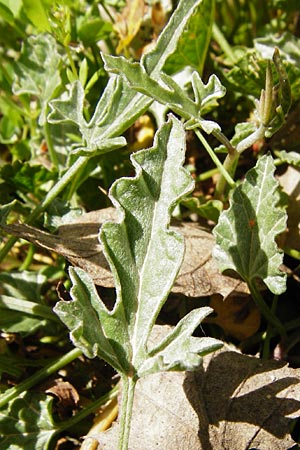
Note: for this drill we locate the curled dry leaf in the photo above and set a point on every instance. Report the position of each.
(67, 397)
(233, 402)
(78, 242)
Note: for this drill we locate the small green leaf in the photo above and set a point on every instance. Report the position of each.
(36, 12)
(24, 178)
(26, 423)
(37, 71)
(70, 109)
(21, 309)
(179, 350)
(94, 29)
(207, 95)
(209, 209)
(246, 232)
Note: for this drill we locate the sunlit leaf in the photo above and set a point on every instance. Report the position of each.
(165, 90)
(36, 11)
(292, 158)
(119, 105)
(145, 258)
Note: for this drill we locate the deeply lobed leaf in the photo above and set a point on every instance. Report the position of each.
(119, 105)
(145, 257)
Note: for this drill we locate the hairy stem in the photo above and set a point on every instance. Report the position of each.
(223, 170)
(128, 388)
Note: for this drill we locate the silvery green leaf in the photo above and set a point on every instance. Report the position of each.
(93, 329)
(179, 350)
(154, 61)
(206, 95)
(119, 105)
(145, 257)
(69, 109)
(246, 232)
(292, 158)
(37, 71)
(165, 90)
(287, 43)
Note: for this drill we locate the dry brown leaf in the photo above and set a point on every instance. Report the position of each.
(237, 315)
(290, 182)
(78, 242)
(67, 397)
(129, 22)
(234, 402)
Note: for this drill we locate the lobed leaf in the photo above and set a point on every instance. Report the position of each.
(246, 232)
(165, 90)
(179, 350)
(119, 105)
(292, 158)
(145, 258)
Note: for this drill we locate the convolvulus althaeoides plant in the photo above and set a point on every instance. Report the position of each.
(115, 112)
(145, 257)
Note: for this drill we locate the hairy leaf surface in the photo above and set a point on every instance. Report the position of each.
(166, 91)
(145, 258)
(119, 105)
(246, 232)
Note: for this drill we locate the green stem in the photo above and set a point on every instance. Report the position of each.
(223, 43)
(14, 392)
(207, 175)
(69, 54)
(269, 333)
(29, 258)
(229, 167)
(265, 310)
(128, 387)
(88, 410)
(214, 157)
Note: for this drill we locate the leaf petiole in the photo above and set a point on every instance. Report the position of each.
(265, 310)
